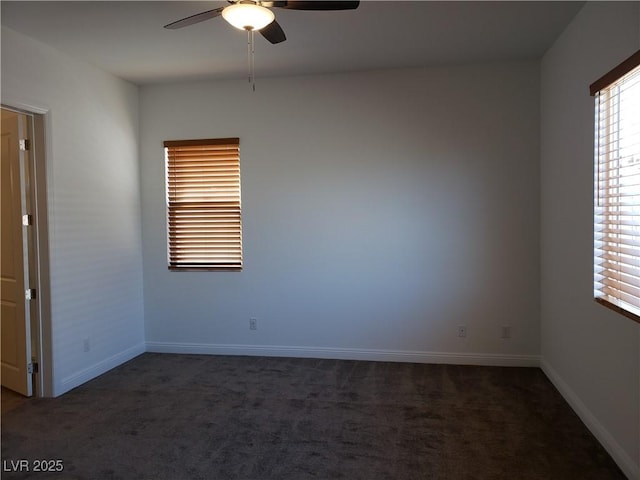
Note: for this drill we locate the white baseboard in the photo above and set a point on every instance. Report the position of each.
(348, 354)
(89, 373)
(626, 464)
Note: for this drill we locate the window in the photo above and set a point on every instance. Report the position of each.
(617, 189)
(204, 221)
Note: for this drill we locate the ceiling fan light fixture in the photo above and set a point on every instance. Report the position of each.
(248, 16)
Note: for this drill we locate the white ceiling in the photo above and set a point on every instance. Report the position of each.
(127, 39)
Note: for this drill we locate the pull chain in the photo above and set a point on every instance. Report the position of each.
(251, 58)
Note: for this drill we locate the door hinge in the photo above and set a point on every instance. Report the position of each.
(30, 294)
(26, 220)
(32, 368)
(24, 144)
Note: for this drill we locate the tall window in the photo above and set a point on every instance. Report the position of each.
(204, 223)
(617, 188)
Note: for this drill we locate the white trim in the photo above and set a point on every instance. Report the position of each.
(89, 373)
(624, 461)
(25, 107)
(487, 359)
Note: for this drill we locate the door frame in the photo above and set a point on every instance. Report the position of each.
(38, 121)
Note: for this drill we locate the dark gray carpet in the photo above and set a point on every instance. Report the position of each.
(11, 400)
(193, 417)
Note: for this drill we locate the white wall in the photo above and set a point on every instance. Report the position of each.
(591, 353)
(380, 211)
(94, 205)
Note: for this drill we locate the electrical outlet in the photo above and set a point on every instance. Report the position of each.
(462, 331)
(253, 324)
(506, 331)
(86, 343)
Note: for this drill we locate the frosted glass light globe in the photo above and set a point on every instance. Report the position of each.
(248, 16)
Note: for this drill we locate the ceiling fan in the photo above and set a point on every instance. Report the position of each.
(256, 15)
(252, 15)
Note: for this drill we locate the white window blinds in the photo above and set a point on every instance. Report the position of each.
(617, 191)
(204, 221)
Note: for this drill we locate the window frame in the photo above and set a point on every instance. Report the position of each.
(219, 203)
(595, 89)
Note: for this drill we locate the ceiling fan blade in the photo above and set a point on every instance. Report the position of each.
(273, 32)
(313, 5)
(197, 18)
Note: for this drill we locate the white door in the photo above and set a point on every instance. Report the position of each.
(15, 323)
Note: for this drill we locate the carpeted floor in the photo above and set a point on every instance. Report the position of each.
(188, 417)
(11, 400)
